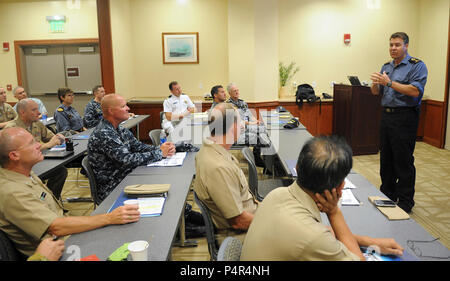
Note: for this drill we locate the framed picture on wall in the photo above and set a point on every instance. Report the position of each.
(180, 47)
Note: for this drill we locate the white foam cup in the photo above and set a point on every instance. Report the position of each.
(131, 202)
(139, 250)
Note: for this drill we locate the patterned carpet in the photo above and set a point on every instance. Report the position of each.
(432, 210)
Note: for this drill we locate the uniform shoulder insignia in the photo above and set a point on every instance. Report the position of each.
(60, 109)
(387, 63)
(414, 60)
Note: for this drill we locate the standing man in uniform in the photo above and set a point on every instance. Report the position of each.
(114, 152)
(93, 111)
(29, 120)
(176, 107)
(7, 113)
(220, 183)
(401, 82)
(67, 117)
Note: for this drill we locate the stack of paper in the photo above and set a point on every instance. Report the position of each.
(151, 206)
(348, 199)
(175, 160)
(61, 147)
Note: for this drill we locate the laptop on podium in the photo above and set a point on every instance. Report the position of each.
(354, 80)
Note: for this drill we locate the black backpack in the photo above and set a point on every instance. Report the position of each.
(305, 92)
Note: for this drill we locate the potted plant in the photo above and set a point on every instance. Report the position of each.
(286, 73)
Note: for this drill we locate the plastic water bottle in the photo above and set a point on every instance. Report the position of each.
(162, 137)
(44, 116)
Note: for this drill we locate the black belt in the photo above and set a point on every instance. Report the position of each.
(398, 109)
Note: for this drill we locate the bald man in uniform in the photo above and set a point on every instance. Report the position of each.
(220, 183)
(7, 113)
(114, 152)
(20, 94)
(29, 120)
(29, 213)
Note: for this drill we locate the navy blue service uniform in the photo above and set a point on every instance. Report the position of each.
(67, 118)
(114, 153)
(398, 130)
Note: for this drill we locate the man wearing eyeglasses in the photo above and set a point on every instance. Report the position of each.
(29, 120)
(29, 213)
(20, 94)
(7, 113)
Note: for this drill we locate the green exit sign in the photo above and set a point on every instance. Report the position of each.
(57, 26)
(56, 23)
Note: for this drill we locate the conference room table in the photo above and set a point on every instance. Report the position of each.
(159, 231)
(364, 219)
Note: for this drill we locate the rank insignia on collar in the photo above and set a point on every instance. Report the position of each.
(414, 60)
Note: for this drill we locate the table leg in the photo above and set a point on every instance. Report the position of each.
(182, 230)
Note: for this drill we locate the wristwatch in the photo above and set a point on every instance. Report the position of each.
(389, 84)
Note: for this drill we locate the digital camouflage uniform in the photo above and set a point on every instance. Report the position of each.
(113, 153)
(7, 113)
(250, 137)
(93, 114)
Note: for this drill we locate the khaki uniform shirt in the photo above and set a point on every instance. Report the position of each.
(7, 113)
(288, 227)
(38, 130)
(27, 209)
(221, 185)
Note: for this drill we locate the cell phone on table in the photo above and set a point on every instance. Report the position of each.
(384, 203)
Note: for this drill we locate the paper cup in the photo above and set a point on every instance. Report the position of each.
(138, 250)
(131, 202)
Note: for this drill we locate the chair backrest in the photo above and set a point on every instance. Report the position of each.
(161, 117)
(154, 136)
(92, 183)
(252, 172)
(230, 249)
(7, 250)
(209, 225)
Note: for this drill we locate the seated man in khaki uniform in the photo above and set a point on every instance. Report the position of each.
(7, 113)
(29, 120)
(220, 182)
(288, 225)
(29, 212)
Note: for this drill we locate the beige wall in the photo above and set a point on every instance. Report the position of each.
(311, 34)
(25, 20)
(253, 48)
(124, 70)
(241, 46)
(433, 44)
(147, 21)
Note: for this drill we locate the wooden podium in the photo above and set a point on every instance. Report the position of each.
(356, 117)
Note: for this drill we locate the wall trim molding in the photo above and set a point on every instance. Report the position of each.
(18, 44)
